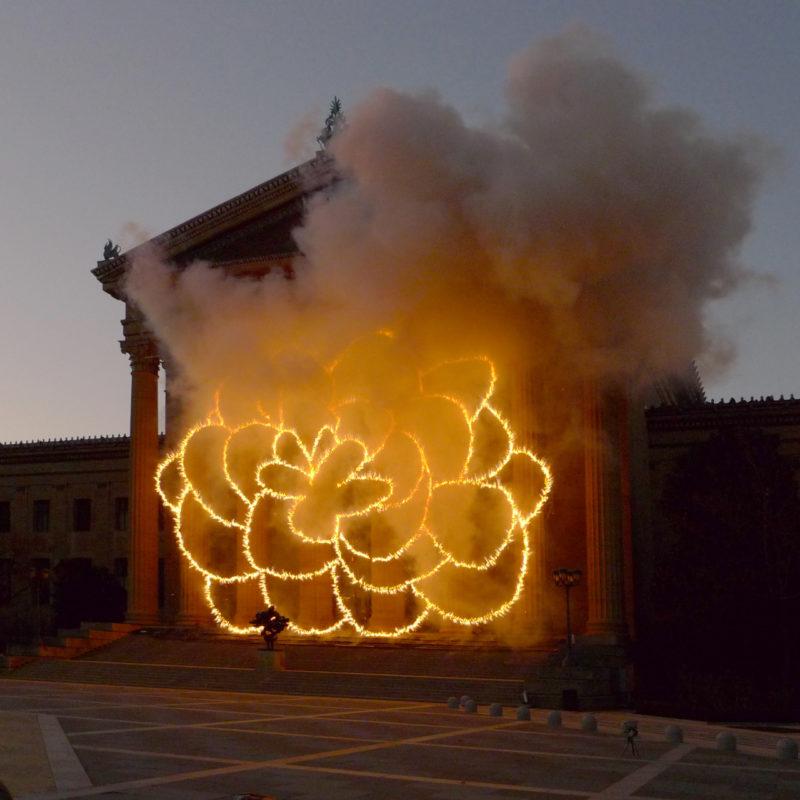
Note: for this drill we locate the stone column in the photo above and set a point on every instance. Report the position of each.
(184, 582)
(143, 569)
(605, 576)
(529, 618)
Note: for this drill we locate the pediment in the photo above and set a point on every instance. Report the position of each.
(248, 232)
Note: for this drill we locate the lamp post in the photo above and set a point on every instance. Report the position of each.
(567, 578)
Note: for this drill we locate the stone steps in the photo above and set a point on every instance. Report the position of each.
(422, 671)
(121, 674)
(71, 643)
(337, 684)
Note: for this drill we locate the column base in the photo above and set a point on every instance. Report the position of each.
(195, 621)
(605, 634)
(143, 618)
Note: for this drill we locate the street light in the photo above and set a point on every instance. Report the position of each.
(567, 578)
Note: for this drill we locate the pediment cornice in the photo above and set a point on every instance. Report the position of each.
(266, 199)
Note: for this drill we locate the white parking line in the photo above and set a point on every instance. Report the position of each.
(634, 781)
(68, 772)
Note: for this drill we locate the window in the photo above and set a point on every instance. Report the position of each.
(5, 516)
(82, 514)
(120, 513)
(6, 566)
(40, 576)
(41, 516)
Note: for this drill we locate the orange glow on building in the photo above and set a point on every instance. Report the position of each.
(396, 483)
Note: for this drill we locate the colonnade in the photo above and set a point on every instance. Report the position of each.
(605, 450)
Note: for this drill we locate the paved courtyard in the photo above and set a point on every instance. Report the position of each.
(68, 741)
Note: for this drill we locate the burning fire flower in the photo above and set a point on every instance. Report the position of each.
(371, 481)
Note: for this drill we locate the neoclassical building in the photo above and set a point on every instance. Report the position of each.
(600, 492)
(60, 501)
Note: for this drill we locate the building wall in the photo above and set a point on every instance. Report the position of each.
(66, 478)
(716, 607)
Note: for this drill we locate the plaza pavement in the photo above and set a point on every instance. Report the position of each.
(60, 741)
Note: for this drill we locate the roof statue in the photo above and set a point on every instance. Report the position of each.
(110, 250)
(334, 122)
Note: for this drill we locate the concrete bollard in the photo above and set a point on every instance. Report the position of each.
(786, 749)
(554, 719)
(452, 702)
(589, 722)
(674, 734)
(471, 707)
(463, 700)
(495, 710)
(726, 741)
(523, 713)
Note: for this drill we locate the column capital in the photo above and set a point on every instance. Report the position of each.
(138, 342)
(143, 354)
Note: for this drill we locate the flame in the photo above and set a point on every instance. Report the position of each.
(413, 474)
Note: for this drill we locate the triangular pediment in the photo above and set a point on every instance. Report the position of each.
(252, 231)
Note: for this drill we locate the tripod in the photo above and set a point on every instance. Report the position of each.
(631, 732)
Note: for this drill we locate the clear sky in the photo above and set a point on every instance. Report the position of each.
(120, 116)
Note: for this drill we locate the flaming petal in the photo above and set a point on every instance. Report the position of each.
(289, 450)
(491, 445)
(471, 522)
(247, 448)
(469, 382)
(386, 530)
(275, 548)
(471, 596)
(361, 494)
(283, 481)
(171, 483)
(212, 545)
(204, 467)
(232, 603)
(442, 429)
(529, 481)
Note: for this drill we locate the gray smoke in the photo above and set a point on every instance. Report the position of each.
(591, 223)
(587, 231)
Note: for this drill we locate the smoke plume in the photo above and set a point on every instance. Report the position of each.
(590, 225)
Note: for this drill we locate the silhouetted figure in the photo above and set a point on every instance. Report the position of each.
(271, 624)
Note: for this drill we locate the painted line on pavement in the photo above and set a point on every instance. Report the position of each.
(634, 781)
(157, 754)
(353, 773)
(68, 772)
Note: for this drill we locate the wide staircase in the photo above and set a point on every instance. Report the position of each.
(420, 670)
(199, 660)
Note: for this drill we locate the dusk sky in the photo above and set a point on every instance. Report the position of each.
(121, 120)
